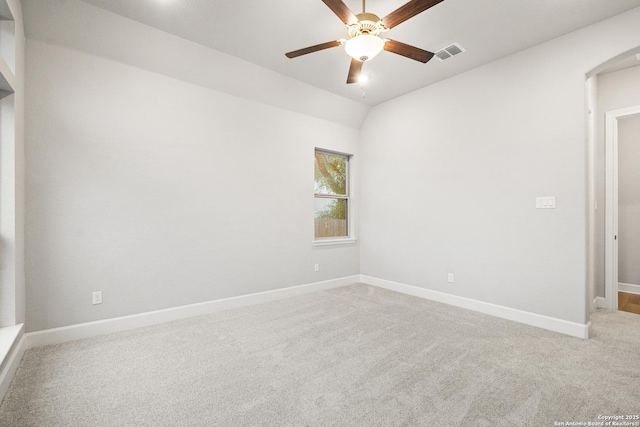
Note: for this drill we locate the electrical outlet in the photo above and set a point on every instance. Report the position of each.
(96, 297)
(316, 267)
(450, 277)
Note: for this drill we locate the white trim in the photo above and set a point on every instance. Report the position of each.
(10, 368)
(592, 204)
(8, 337)
(611, 210)
(574, 329)
(629, 288)
(331, 242)
(107, 326)
(11, 351)
(600, 302)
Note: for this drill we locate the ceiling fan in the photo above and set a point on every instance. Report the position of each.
(364, 35)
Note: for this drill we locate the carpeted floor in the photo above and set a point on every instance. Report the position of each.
(356, 355)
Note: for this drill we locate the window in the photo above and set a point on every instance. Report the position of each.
(10, 182)
(331, 194)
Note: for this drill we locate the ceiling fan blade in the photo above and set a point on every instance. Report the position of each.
(342, 11)
(312, 49)
(408, 51)
(354, 71)
(407, 11)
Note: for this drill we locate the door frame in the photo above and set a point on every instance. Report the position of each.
(611, 211)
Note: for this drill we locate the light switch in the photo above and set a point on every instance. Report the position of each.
(545, 202)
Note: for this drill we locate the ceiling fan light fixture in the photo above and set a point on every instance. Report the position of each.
(364, 47)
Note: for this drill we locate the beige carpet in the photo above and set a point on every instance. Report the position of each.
(356, 355)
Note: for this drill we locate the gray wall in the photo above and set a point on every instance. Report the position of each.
(160, 192)
(451, 173)
(617, 90)
(162, 186)
(629, 200)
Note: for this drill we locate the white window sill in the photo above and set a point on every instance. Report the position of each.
(8, 337)
(334, 242)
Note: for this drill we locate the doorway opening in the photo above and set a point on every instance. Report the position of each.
(612, 98)
(619, 294)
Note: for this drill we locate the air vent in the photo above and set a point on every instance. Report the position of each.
(449, 51)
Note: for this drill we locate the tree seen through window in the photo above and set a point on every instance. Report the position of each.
(331, 195)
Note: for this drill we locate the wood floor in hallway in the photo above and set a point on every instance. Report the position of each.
(629, 302)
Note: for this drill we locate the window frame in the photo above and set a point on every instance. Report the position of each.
(347, 197)
(9, 297)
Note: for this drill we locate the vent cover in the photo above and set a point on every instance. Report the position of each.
(449, 51)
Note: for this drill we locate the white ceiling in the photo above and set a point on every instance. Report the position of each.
(262, 31)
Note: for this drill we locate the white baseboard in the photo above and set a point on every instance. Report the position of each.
(550, 323)
(101, 327)
(629, 288)
(600, 302)
(11, 366)
(107, 326)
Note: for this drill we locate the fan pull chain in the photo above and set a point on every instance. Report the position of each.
(364, 95)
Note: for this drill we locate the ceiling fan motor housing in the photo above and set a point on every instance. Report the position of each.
(368, 23)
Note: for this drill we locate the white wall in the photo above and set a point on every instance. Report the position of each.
(87, 28)
(146, 176)
(451, 172)
(19, 109)
(160, 192)
(629, 200)
(616, 90)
